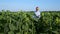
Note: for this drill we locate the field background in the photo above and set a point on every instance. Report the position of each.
(21, 22)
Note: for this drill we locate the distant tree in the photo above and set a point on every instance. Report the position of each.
(2, 10)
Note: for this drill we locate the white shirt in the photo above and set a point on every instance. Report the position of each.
(37, 13)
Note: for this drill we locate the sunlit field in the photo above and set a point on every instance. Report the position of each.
(21, 22)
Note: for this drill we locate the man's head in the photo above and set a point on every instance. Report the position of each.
(37, 8)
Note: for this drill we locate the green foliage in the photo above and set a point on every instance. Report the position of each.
(23, 23)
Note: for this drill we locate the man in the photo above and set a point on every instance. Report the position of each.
(37, 12)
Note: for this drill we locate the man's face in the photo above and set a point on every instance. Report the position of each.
(37, 8)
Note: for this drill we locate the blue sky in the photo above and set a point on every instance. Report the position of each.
(15, 5)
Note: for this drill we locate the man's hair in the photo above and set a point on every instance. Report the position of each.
(37, 8)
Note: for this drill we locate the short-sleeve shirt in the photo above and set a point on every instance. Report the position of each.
(37, 13)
